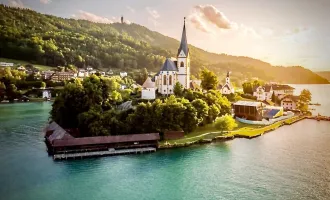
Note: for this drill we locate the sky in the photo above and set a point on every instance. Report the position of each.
(281, 32)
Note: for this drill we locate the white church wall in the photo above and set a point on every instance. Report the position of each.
(148, 93)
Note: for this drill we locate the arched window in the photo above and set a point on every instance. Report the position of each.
(170, 80)
(164, 80)
(182, 64)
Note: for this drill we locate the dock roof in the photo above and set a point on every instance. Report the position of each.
(106, 140)
(248, 103)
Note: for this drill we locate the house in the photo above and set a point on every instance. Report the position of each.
(123, 74)
(62, 76)
(263, 93)
(148, 90)
(248, 110)
(175, 70)
(47, 74)
(282, 90)
(82, 73)
(290, 102)
(46, 94)
(227, 88)
(21, 68)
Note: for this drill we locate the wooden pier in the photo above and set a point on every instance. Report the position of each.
(111, 152)
(320, 118)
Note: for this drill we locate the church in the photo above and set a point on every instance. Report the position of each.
(175, 69)
(227, 88)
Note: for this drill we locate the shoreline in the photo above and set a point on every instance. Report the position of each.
(230, 135)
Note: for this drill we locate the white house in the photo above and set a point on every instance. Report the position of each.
(175, 70)
(82, 73)
(263, 92)
(46, 94)
(21, 68)
(227, 88)
(123, 74)
(282, 90)
(290, 102)
(148, 89)
(5, 64)
(47, 74)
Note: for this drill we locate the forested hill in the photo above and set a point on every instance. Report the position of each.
(324, 74)
(49, 40)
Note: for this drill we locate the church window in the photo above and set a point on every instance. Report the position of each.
(182, 64)
(164, 82)
(170, 80)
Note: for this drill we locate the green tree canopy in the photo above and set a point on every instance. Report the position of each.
(209, 79)
(225, 123)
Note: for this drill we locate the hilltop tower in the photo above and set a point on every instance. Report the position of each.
(183, 58)
(122, 19)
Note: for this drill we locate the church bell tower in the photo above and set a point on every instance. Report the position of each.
(183, 59)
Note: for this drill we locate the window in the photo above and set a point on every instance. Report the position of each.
(170, 80)
(182, 64)
(164, 81)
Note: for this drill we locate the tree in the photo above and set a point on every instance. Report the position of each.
(202, 110)
(2, 91)
(273, 97)
(304, 99)
(305, 96)
(209, 79)
(225, 123)
(178, 89)
(43, 85)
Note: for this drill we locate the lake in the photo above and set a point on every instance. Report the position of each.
(292, 162)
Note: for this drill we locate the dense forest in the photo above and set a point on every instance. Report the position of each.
(49, 40)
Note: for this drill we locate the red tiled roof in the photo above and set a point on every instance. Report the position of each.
(106, 140)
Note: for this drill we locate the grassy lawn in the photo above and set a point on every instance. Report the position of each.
(21, 62)
(244, 130)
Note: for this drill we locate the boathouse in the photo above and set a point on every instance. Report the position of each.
(248, 110)
(59, 141)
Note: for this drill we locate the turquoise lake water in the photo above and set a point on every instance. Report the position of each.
(292, 162)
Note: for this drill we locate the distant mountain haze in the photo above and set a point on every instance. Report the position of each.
(49, 40)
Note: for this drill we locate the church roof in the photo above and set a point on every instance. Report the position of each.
(148, 83)
(169, 65)
(227, 86)
(184, 44)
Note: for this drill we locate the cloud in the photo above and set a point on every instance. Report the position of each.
(153, 13)
(45, 1)
(16, 3)
(198, 23)
(130, 9)
(214, 16)
(92, 17)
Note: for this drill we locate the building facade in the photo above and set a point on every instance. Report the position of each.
(148, 90)
(263, 93)
(227, 87)
(175, 70)
(289, 102)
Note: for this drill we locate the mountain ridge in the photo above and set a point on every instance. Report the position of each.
(49, 40)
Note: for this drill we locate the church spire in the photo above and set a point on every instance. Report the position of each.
(184, 44)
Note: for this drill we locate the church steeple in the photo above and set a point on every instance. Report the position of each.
(184, 44)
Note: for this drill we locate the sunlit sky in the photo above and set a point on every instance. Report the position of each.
(281, 32)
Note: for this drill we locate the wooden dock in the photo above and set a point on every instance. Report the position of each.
(320, 118)
(103, 153)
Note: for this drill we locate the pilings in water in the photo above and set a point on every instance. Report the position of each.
(103, 153)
